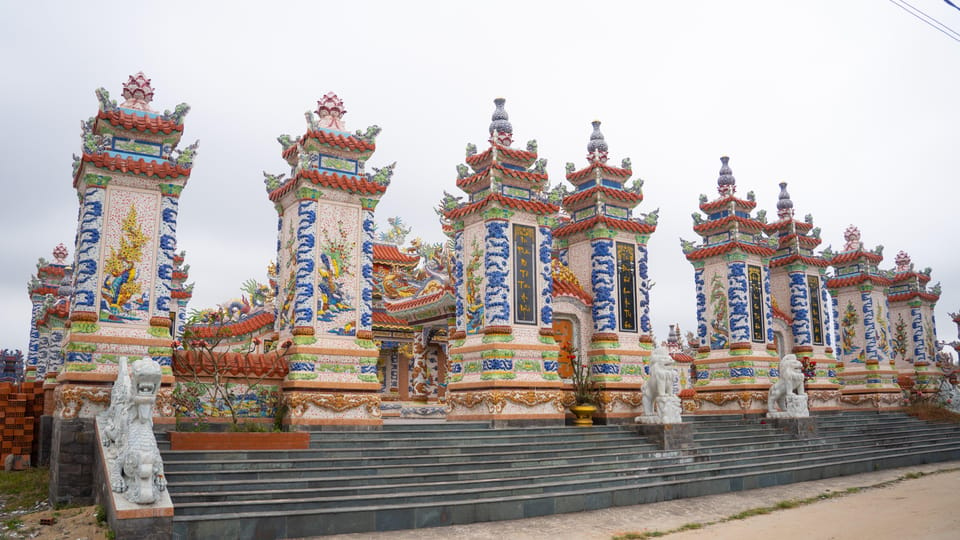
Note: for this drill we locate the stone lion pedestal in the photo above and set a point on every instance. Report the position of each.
(661, 420)
(787, 395)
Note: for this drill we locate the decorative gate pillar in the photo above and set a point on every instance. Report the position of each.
(913, 341)
(737, 359)
(605, 244)
(128, 177)
(503, 356)
(866, 368)
(325, 271)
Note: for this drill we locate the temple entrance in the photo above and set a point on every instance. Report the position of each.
(563, 329)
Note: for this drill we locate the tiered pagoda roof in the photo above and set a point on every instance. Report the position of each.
(181, 272)
(328, 156)
(854, 265)
(390, 255)
(729, 225)
(49, 275)
(907, 284)
(600, 198)
(565, 283)
(501, 175)
(795, 240)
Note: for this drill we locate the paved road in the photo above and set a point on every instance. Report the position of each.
(924, 508)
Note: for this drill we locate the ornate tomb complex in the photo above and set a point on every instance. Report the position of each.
(352, 327)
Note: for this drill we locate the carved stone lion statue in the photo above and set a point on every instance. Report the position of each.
(133, 459)
(787, 394)
(660, 403)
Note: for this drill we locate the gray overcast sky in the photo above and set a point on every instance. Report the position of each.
(854, 103)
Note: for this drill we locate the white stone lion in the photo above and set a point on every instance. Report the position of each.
(787, 394)
(660, 403)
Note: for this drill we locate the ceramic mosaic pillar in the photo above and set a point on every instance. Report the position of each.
(503, 356)
(737, 359)
(798, 283)
(43, 290)
(180, 294)
(868, 375)
(913, 331)
(325, 269)
(605, 245)
(128, 177)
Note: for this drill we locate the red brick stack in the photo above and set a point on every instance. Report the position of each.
(21, 406)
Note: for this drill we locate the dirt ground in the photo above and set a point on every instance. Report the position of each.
(70, 524)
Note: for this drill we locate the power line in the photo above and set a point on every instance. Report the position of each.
(928, 20)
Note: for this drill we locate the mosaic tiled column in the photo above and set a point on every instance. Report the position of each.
(84, 305)
(166, 248)
(602, 276)
(643, 290)
(701, 303)
(799, 308)
(545, 249)
(496, 265)
(365, 324)
(737, 294)
(306, 263)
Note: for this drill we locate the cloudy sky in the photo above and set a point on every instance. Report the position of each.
(855, 104)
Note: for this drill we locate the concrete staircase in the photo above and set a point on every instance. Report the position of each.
(425, 475)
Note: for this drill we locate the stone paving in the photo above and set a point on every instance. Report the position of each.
(663, 516)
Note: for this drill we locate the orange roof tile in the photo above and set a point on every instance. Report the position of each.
(163, 169)
(230, 329)
(533, 178)
(346, 142)
(913, 294)
(715, 224)
(812, 261)
(723, 202)
(513, 153)
(836, 283)
(136, 122)
(719, 249)
(801, 226)
(392, 254)
(537, 207)
(778, 313)
(384, 320)
(619, 194)
(586, 172)
(613, 223)
(411, 303)
(329, 180)
(904, 276)
(850, 256)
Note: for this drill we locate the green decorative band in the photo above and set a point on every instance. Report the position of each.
(601, 232)
(302, 376)
(527, 366)
(456, 358)
(743, 380)
(107, 359)
(736, 256)
(84, 327)
(304, 340)
(550, 355)
(561, 243)
(605, 344)
(81, 366)
(547, 340)
(642, 238)
(458, 343)
(866, 287)
(497, 213)
(605, 359)
(741, 352)
(472, 366)
(632, 370)
(306, 193)
(96, 180)
(646, 346)
(698, 265)
(550, 376)
(81, 347)
(547, 221)
(797, 267)
(368, 204)
(457, 225)
(365, 343)
(498, 376)
(497, 353)
(170, 190)
(497, 338)
(300, 357)
(159, 331)
(915, 303)
(159, 351)
(279, 208)
(335, 368)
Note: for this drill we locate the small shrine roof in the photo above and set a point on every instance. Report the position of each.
(905, 276)
(420, 301)
(181, 294)
(724, 202)
(147, 123)
(512, 153)
(682, 358)
(797, 258)
(613, 223)
(526, 176)
(589, 172)
(385, 321)
(536, 207)
(807, 241)
(720, 223)
(60, 310)
(776, 226)
(133, 166)
(344, 141)
(719, 249)
(268, 364)
(391, 254)
(778, 313)
(329, 180)
(856, 279)
(618, 194)
(850, 256)
(247, 325)
(565, 283)
(44, 290)
(910, 295)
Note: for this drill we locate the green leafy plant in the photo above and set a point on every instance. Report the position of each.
(583, 389)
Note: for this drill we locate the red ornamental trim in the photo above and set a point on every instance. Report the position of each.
(329, 180)
(836, 283)
(586, 173)
(708, 226)
(849, 256)
(800, 226)
(913, 294)
(812, 261)
(704, 253)
(618, 194)
(513, 153)
(346, 142)
(133, 166)
(246, 326)
(535, 207)
(904, 276)
(724, 202)
(385, 253)
(382, 319)
(565, 288)
(269, 364)
(613, 223)
(782, 316)
(533, 178)
(419, 302)
(124, 120)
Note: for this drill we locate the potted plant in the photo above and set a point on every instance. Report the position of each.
(215, 383)
(584, 394)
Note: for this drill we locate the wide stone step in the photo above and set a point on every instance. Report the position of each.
(406, 515)
(486, 440)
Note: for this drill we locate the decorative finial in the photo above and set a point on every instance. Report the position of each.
(726, 183)
(597, 147)
(903, 262)
(330, 112)
(137, 92)
(60, 253)
(501, 130)
(784, 205)
(852, 236)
